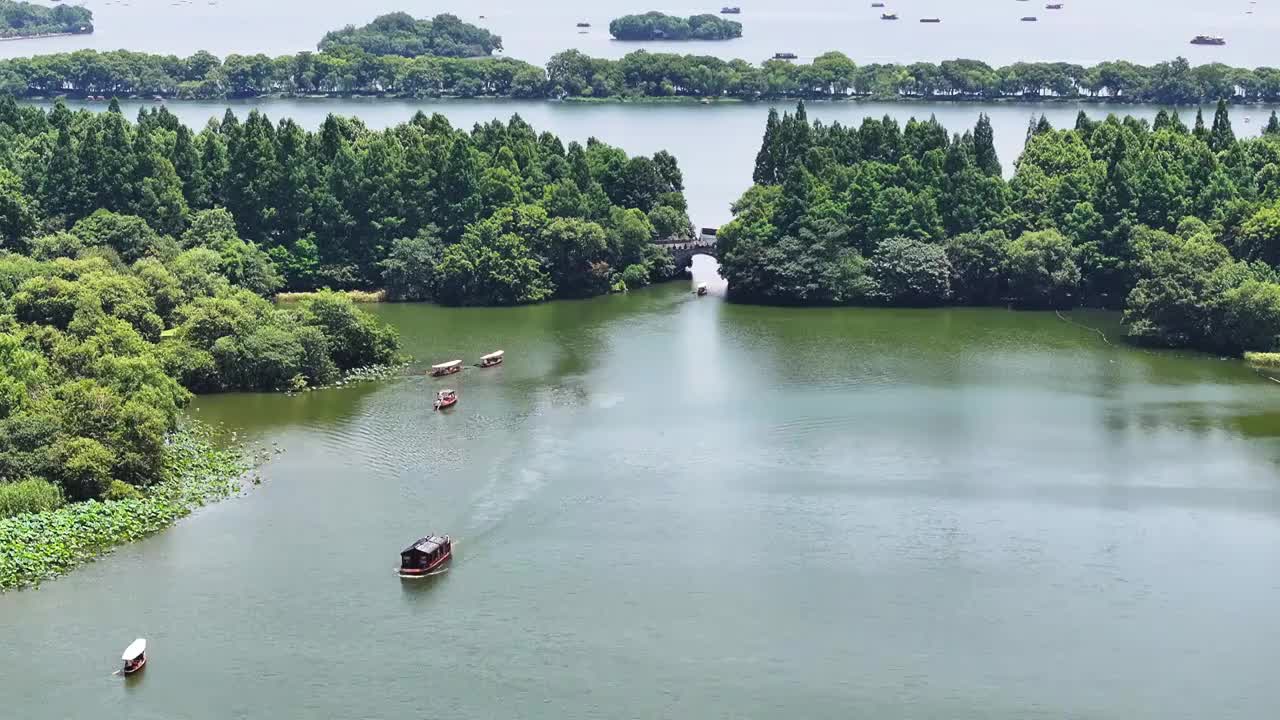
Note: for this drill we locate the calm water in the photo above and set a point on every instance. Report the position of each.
(715, 144)
(672, 507)
(1086, 31)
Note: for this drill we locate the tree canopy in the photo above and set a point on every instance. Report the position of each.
(654, 25)
(1178, 227)
(398, 33)
(24, 19)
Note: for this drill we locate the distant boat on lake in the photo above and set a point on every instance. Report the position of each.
(584, 24)
(727, 10)
(1053, 6)
(889, 16)
(877, 4)
(930, 20)
(785, 56)
(1208, 40)
(1029, 18)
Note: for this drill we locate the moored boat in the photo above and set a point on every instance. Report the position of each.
(425, 556)
(493, 358)
(134, 656)
(446, 399)
(446, 368)
(1208, 40)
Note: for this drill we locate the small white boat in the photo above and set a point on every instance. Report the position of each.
(493, 358)
(446, 368)
(702, 289)
(134, 656)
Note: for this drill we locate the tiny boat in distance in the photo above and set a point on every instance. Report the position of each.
(584, 24)
(446, 399)
(702, 289)
(134, 656)
(446, 368)
(785, 56)
(1208, 40)
(730, 10)
(1029, 18)
(1053, 6)
(493, 358)
(930, 20)
(425, 556)
(877, 4)
(889, 16)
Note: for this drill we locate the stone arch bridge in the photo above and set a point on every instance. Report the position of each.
(683, 250)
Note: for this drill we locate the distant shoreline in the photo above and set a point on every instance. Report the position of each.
(43, 35)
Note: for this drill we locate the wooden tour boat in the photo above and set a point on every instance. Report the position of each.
(493, 358)
(134, 656)
(446, 398)
(446, 368)
(425, 556)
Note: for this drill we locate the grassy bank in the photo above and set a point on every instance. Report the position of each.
(359, 296)
(43, 545)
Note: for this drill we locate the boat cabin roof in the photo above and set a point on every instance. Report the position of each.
(493, 355)
(426, 545)
(135, 649)
(446, 365)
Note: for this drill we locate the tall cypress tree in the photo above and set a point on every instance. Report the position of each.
(1221, 137)
(1200, 131)
(766, 172)
(984, 147)
(1273, 125)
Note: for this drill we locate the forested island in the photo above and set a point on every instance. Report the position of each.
(638, 75)
(24, 19)
(654, 25)
(400, 34)
(1178, 226)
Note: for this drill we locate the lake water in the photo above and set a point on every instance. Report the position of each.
(672, 507)
(715, 144)
(1085, 31)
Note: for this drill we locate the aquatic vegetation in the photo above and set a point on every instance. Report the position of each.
(39, 546)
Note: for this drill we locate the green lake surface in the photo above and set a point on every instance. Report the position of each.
(670, 506)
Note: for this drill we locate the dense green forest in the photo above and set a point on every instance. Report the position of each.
(24, 19)
(1178, 226)
(498, 215)
(654, 25)
(640, 74)
(400, 34)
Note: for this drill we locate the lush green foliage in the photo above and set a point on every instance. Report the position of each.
(29, 496)
(36, 546)
(1179, 227)
(24, 19)
(654, 25)
(351, 70)
(502, 214)
(399, 33)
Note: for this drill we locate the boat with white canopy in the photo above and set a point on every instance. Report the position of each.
(493, 358)
(134, 656)
(446, 368)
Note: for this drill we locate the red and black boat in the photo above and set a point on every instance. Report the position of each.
(446, 399)
(425, 556)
